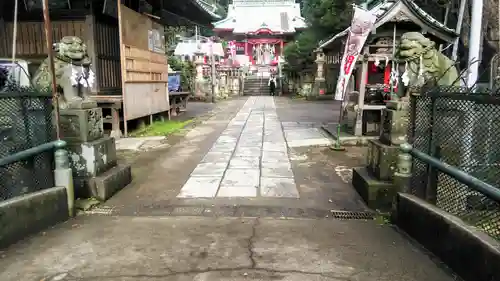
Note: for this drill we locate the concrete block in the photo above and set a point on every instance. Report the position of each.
(449, 238)
(383, 159)
(378, 195)
(81, 125)
(92, 158)
(28, 214)
(115, 179)
(394, 126)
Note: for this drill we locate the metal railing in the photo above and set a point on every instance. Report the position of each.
(452, 190)
(455, 136)
(28, 171)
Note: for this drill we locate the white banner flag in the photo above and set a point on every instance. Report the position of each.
(361, 26)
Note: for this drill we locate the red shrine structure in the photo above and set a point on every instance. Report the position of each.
(259, 29)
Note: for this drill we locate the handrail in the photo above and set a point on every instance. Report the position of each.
(471, 181)
(30, 152)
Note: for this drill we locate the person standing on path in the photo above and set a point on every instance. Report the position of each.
(272, 84)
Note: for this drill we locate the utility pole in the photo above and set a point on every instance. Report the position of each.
(475, 42)
(48, 41)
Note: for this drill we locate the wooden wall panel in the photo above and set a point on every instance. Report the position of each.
(31, 37)
(143, 64)
(107, 48)
(144, 99)
(135, 28)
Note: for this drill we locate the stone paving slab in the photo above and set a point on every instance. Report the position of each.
(241, 177)
(255, 147)
(217, 157)
(278, 187)
(209, 170)
(237, 191)
(200, 187)
(243, 162)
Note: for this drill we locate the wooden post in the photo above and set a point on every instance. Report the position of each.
(90, 31)
(122, 67)
(358, 127)
(115, 121)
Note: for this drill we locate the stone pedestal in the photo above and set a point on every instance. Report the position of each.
(92, 155)
(318, 88)
(375, 182)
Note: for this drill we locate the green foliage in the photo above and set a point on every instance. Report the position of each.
(327, 17)
(299, 55)
(187, 71)
(324, 18)
(162, 128)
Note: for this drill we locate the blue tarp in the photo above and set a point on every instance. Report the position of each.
(174, 82)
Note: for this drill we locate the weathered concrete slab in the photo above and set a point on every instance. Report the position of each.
(218, 249)
(241, 177)
(306, 137)
(282, 169)
(223, 147)
(199, 187)
(217, 157)
(209, 170)
(274, 146)
(243, 162)
(278, 187)
(247, 151)
(274, 156)
(237, 191)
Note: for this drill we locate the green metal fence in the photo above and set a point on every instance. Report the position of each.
(460, 130)
(25, 123)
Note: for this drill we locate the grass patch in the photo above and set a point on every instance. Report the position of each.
(160, 128)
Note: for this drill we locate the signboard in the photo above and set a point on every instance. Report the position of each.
(240, 48)
(361, 26)
(156, 41)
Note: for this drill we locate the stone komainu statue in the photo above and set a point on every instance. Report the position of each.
(424, 63)
(74, 77)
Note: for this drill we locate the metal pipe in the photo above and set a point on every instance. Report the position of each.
(48, 41)
(475, 42)
(472, 182)
(14, 34)
(19, 156)
(458, 29)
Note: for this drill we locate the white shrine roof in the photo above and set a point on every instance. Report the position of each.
(191, 47)
(403, 10)
(249, 16)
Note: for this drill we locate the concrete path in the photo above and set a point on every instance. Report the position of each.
(249, 158)
(217, 249)
(230, 200)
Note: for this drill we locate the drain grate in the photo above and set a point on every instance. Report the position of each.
(106, 211)
(233, 211)
(347, 215)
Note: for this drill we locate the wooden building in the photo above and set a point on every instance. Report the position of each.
(373, 68)
(125, 42)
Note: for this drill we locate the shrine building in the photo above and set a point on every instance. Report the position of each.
(260, 29)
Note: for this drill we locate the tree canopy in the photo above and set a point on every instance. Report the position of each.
(324, 18)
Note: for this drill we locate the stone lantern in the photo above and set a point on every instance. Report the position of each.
(319, 80)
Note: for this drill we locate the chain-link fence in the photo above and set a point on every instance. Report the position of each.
(25, 122)
(461, 129)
